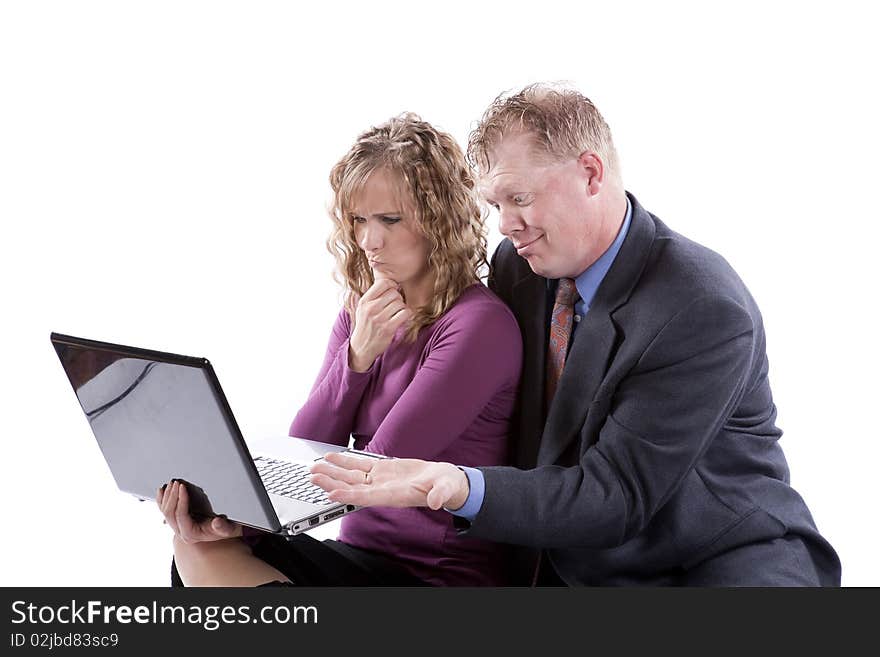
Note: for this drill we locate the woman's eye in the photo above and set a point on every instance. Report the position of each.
(358, 220)
(390, 220)
(519, 200)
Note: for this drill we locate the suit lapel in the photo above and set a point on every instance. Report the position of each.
(585, 367)
(595, 340)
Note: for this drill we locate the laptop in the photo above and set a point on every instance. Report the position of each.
(159, 417)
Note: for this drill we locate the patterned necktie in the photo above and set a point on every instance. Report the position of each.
(560, 332)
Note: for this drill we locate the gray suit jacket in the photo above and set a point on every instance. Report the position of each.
(658, 461)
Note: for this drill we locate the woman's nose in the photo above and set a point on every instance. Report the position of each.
(370, 238)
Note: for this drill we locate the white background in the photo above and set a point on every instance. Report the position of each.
(163, 183)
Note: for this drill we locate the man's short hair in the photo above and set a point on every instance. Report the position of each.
(562, 122)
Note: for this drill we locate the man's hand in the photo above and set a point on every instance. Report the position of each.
(391, 482)
(380, 312)
(173, 502)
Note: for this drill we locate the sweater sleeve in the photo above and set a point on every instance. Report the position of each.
(329, 412)
(472, 357)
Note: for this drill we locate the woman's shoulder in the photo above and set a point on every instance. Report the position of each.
(342, 321)
(479, 307)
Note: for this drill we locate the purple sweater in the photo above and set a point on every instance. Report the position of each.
(446, 397)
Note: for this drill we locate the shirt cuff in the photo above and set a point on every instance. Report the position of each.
(474, 501)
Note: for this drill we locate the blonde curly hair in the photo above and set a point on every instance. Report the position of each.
(434, 177)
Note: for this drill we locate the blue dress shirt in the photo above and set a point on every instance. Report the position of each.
(586, 283)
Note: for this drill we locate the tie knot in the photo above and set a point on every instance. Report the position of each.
(566, 292)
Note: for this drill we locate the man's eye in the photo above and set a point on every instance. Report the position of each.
(493, 205)
(519, 199)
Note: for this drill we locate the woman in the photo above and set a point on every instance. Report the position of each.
(423, 361)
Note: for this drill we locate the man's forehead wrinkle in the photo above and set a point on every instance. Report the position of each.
(495, 183)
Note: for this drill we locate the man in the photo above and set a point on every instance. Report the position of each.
(645, 447)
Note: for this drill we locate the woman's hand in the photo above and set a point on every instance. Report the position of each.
(173, 502)
(380, 312)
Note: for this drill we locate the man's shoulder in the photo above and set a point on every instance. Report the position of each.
(681, 267)
(504, 250)
(679, 271)
(507, 268)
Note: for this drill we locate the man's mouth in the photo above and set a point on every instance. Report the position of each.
(523, 249)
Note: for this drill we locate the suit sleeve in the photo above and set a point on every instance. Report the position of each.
(469, 361)
(662, 417)
(329, 412)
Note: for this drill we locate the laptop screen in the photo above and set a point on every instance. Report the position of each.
(157, 420)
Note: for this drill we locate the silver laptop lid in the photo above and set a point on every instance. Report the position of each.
(159, 416)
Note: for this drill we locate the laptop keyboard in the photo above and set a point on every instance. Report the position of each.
(289, 480)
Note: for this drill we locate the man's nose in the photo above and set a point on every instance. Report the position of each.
(509, 221)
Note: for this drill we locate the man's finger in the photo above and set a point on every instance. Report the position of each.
(344, 497)
(350, 462)
(370, 496)
(440, 493)
(357, 495)
(343, 475)
(328, 483)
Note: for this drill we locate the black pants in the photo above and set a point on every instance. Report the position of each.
(309, 562)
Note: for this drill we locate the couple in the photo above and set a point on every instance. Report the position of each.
(607, 414)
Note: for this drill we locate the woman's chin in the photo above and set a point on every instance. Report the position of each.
(381, 272)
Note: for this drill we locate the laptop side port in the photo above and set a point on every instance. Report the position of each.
(334, 514)
(313, 521)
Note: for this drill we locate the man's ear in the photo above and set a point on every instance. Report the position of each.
(594, 171)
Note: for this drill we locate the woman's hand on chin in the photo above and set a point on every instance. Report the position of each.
(380, 312)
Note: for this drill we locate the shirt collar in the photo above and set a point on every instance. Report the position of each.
(588, 281)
